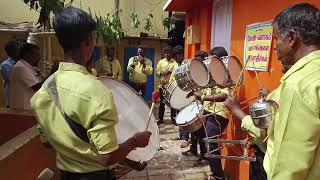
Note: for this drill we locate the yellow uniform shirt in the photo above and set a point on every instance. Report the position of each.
(139, 74)
(255, 132)
(165, 66)
(172, 77)
(88, 102)
(295, 133)
(215, 107)
(105, 67)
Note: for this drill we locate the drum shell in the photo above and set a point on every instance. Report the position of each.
(263, 113)
(168, 92)
(184, 77)
(192, 126)
(193, 123)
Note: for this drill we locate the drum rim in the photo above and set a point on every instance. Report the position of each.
(192, 103)
(144, 102)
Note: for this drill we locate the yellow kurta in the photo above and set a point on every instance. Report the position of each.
(105, 67)
(139, 74)
(296, 130)
(88, 102)
(165, 66)
(215, 107)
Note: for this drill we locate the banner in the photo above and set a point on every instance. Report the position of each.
(257, 46)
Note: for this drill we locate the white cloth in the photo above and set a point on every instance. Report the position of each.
(23, 77)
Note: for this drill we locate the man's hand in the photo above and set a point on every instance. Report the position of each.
(190, 94)
(143, 62)
(164, 73)
(263, 92)
(197, 95)
(232, 103)
(142, 138)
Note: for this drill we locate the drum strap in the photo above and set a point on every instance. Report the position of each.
(51, 88)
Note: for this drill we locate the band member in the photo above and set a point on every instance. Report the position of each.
(139, 67)
(212, 100)
(164, 70)
(24, 81)
(293, 137)
(178, 55)
(85, 102)
(12, 49)
(109, 65)
(196, 137)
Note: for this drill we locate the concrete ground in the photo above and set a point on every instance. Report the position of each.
(169, 163)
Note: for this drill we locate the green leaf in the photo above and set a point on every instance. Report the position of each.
(135, 23)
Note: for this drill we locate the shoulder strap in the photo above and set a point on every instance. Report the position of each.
(51, 88)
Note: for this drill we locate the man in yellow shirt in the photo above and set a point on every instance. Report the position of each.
(293, 148)
(139, 67)
(108, 65)
(164, 70)
(81, 104)
(215, 124)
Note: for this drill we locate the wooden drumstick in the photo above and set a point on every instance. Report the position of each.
(155, 96)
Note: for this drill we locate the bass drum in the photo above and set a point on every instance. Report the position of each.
(133, 114)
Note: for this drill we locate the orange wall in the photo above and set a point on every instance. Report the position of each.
(244, 12)
(199, 14)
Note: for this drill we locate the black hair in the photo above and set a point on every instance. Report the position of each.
(27, 49)
(72, 27)
(302, 17)
(12, 48)
(141, 47)
(167, 49)
(219, 51)
(109, 47)
(177, 49)
(201, 54)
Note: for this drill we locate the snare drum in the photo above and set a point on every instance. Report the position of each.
(175, 97)
(218, 71)
(189, 119)
(191, 75)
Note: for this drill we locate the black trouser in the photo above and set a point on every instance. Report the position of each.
(215, 125)
(97, 175)
(139, 87)
(196, 137)
(173, 112)
(257, 171)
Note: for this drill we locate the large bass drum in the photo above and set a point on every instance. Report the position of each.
(133, 116)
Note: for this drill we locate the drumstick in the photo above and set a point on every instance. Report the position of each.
(155, 96)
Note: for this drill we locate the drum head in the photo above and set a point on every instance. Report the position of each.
(178, 98)
(234, 69)
(133, 116)
(218, 71)
(199, 73)
(188, 113)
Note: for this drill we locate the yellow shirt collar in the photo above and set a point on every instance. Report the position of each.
(302, 62)
(66, 66)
